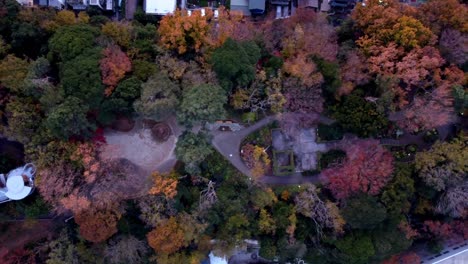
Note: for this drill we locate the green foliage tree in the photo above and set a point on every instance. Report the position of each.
(81, 78)
(364, 212)
(445, 164)
(13, 71)
(24, 119)
(192, 149)
(356, 248)
(9, 10)
(202, 103)
(69, 42)
(359, 116)
(398, 194)
(331, 74)
(28, 39)
(234, 63)
(158, 98)
(388, 242)
(62, 250)
(68, 119)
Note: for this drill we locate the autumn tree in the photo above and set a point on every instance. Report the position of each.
(452, 46)
(234, 63)
(192, 149)
(367, 169)
(354, 71)
(23, 117)
(230, 24)
(13, 71)
(442, 15)
(256, 159)
(428, 111)
(167, 237)
(155, 209)
(444, 165)
(159, 97)
(114, 65)
(62, 250)
(266, 223)
(454, 202)
(97, 225)
(184, 33)
(165, 184)
(120, 32)
(321, 212)
(125, 249)
(302, 98)
(197, 108)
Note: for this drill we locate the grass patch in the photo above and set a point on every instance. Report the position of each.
(283, 162)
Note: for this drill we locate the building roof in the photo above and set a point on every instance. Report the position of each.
(160, 7)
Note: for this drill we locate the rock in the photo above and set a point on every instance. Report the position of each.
(148, 123)
(161, 132)
(123, 124)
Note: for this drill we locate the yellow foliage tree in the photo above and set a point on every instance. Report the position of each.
(120, 32)
(184, 33)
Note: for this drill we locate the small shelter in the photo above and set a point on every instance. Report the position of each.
(18, 183)
(159, 7)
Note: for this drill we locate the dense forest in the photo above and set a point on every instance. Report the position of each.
(390, 72)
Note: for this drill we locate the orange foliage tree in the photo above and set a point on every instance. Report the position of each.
(439, 15)
(165, 184)
(256, 159)
(367, 169)
(87, 154)
(97, 225)
(167, 237)
(230, 24)
(184, 33)
(114, 65)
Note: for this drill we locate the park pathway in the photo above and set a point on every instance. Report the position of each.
(228, 144)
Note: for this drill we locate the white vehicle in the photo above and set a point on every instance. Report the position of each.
(160, 7)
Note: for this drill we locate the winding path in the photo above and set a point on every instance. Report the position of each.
(228, 144)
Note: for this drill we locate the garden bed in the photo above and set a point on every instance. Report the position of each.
(283, 162)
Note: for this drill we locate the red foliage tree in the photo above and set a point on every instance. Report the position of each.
(405, 258)
(367, 169)
(114, 66)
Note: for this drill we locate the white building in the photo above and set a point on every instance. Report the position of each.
(17, 184)
(159, 7)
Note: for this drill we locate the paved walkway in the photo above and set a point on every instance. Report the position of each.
(229, 143)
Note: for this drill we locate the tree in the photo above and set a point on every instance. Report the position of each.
(367, 169)
(399, 193)
(354, 71)
(364, 212)
(310, 205)
(234, 63)
(97, 225)
(159, 98)
(56, 182)
(23, 117)
(439, 16)
(299, 97)
(114, 65)
(197, 107)
(13, 71)
(69, 119)
(155, 209)
(184, 33)
(120, 32)
(125, 249)
(452, 47)
(81, 78)
(428, 111)
(266, 223)
(359, 116)
(192, 149)
(62, 250)
(357, 248)
(444, 165)
(410, 33)
(454, 202)
(167, 237)
(69, 42)
(256, 159)
(163, 184)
